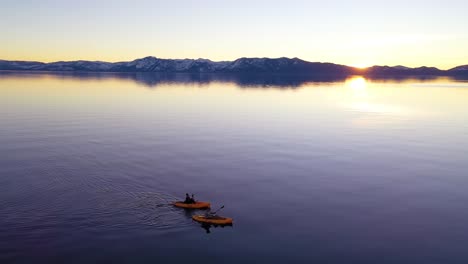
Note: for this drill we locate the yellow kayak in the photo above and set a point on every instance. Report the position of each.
(214, 220)
(196, 205)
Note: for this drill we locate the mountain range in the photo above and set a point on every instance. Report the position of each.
(242, 65)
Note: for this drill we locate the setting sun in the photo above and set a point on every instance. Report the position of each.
(361, 65)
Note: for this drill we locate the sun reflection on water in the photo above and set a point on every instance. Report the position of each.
(357, 86)
(357, 83)
(365, 98)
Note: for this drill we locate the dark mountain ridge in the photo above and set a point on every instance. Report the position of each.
(242, 65)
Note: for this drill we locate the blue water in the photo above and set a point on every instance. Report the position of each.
(318, 170)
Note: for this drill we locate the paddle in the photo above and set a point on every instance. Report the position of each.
(212, 214)
(218, 209)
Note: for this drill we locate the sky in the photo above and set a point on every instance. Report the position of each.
(356, 33)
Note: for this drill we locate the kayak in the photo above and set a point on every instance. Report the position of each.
(216, 220)
(196, 205)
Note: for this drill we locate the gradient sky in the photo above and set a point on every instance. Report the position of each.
(357, 33)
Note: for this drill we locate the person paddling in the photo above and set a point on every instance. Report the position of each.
(213, 215)
(188, 200)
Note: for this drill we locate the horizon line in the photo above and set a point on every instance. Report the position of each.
(216, 61)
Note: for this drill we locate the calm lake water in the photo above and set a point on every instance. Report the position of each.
(316, 170)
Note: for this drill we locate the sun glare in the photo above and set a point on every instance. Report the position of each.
(357, 83)
(360, 65)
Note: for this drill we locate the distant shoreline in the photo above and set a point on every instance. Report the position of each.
(284, 66)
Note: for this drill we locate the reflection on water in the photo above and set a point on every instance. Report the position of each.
(324, 171)
(357, 84)
(154, 79)
(208, 227)
(242, 80)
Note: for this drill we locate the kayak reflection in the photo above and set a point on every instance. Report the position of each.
(207, 227)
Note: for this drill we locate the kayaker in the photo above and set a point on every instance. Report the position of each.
(192, 199)
(188, 200)
(210, 214)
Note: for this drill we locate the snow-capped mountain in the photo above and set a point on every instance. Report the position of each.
(242, 65)
(152, 64)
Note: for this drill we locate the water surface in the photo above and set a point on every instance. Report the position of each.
(319, 170)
